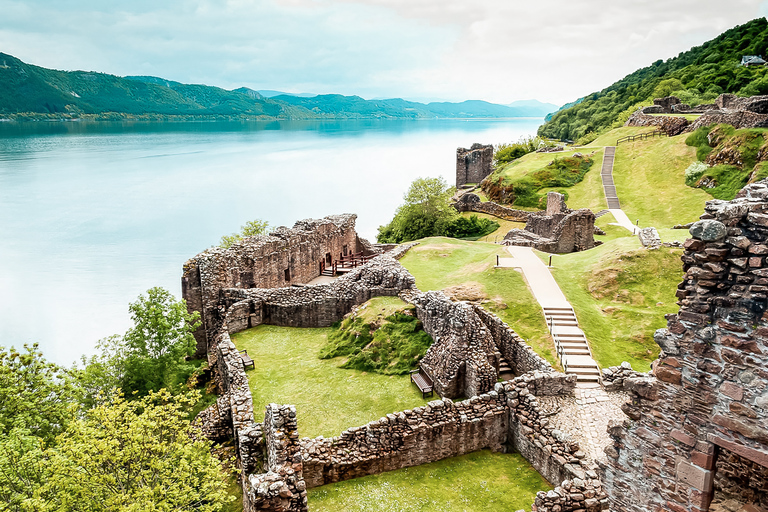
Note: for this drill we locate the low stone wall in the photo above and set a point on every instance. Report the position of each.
(317, 305)
(520, 356)
(472, 203)
(436, 431)
(670, 125)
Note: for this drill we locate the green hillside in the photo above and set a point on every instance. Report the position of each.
(33, 91)
(696, 76)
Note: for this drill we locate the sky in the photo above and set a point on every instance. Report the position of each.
(495, 50)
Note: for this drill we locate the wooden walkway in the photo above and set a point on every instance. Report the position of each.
(606, 173)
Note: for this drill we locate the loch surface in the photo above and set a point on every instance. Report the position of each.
(93, 214)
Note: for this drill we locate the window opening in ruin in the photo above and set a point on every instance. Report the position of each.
(740, 484)
(345, 250)
(287, 274)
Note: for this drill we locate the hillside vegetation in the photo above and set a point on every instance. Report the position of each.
(35, 92)
(696, 76)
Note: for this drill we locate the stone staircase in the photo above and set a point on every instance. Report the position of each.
(505, 371)
(606, 173)
(571, 344)
(601, 213)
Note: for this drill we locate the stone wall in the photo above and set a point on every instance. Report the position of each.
(472, 203)
(282, 487)
(707, 397)
(474, 164)
(670, 125)
(282, 258)
(558, 229)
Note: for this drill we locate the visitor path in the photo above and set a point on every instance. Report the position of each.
(609, 187)
(570, 341)
(587, 414)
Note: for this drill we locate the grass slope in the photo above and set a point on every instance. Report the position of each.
(620, 293)
(650, 182)
(328, 399)
(475, 482)
(438, 263)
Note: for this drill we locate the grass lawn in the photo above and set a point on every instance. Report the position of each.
(588, 193)
(328, 399)
(504, 226)
(438, 263)
(650, 182)
(479, 481)
(620, 293)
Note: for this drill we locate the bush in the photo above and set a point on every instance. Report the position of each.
(694, 172)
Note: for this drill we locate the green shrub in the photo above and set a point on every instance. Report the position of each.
(694, 172)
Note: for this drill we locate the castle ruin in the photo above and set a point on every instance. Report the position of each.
(474, 164)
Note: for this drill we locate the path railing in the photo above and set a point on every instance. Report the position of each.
(642, 136)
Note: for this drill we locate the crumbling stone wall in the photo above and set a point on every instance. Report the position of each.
(671, 125)
(282, 486)
(472, 203)
(558, 229)
(282, 258)
(474, 164)
(707, 397)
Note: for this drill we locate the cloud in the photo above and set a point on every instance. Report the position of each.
(498, 50)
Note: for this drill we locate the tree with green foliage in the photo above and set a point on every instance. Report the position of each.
(130, 455)
(251, 228)
(427, 211)
(36, 404)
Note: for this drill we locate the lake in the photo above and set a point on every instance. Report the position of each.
(93, 214)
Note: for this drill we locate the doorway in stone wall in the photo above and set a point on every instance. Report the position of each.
(741, 485)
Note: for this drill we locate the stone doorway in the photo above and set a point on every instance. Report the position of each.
(740, 485)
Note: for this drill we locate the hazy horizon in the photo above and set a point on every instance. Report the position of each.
(420, 50)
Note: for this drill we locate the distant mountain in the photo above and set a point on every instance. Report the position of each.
(268, 93)
(27, 90)
(534, 108)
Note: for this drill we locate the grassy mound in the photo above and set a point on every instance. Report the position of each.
(621, 293)
(735, 157)
(561, 172)
(475, 482)
(383, 336)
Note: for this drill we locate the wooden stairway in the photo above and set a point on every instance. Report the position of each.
(571, 344)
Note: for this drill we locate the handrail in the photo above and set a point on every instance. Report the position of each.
(641, 136)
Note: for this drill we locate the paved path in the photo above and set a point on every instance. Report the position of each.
(623, 221)
(570, 341)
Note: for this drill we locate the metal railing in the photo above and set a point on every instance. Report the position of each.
(642, 136)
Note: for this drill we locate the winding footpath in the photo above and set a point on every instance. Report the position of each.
(570, 341)
(609, 187)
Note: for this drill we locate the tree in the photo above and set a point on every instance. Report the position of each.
(426, 210)
(131, 456)
(251, 228)
(154, 350)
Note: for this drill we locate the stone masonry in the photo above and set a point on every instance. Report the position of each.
(558, 229)
(474, 164)
(696, 426)
(472, 203)
(282, 258)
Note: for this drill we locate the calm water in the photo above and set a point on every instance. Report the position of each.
(93, 215)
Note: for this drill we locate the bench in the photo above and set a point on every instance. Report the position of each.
(422, 381)
(246, 359)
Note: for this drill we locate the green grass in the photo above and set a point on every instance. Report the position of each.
(328, 399)
(650, 181)
(382, 336)
(610, 137)
(621, 293)
(503, 229)
(476, 482)
(438, 263)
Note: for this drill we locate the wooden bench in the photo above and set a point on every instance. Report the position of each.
(423, 382)
(246, 359)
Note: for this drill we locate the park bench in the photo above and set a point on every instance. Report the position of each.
(422, 381)
(247, 361)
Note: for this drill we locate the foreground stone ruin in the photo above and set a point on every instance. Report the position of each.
(694, 436)
(558, 229)
(697, 427)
